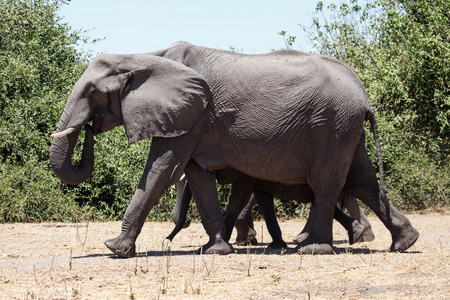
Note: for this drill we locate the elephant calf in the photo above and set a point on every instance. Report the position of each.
(251, 191)
(246, 233)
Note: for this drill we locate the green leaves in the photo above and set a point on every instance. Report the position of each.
(38, 67)
(289, 40)
(31, 193)
(39, 64)
(400, 50)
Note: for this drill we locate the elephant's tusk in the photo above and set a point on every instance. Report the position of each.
(63, 133)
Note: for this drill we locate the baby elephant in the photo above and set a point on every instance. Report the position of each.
(246, 233)
(247, 191)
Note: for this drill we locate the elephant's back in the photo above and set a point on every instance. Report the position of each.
(281, 111)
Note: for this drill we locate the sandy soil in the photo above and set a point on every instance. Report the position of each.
(69, 261)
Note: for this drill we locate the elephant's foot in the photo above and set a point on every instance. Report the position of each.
(300, 237)
(123, 247)
(278, 245)
(357, 230)
(222, 248)
(405, 239)
(252, 242)
(246, 237)
(367, 235)
(311, 246)
(315, 249)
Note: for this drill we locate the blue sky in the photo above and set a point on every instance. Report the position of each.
(137, 26)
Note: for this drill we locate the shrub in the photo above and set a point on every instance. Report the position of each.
(399, 49)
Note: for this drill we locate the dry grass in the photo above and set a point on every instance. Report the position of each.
(66, 261)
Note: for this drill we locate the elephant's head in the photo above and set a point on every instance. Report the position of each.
(149, 95)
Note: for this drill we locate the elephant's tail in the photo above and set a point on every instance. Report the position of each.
(373, 122)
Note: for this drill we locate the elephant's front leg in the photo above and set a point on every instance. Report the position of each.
(241, 192)
(203, 187)
(161, 171)
(245, 228)
(267, 208)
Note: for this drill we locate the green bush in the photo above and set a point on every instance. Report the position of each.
(400, 51)
(31, 193)
(38, 66)
(415, 179)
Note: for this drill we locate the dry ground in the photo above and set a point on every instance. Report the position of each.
(66, 261)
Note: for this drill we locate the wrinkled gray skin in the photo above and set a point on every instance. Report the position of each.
(358, 227)
(356, 213)
(246, 192)
(285, 116)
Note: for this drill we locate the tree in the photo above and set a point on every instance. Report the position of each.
(400, 50)
(38, 65)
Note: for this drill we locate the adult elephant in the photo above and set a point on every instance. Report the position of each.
(285, 116)
(246, 192)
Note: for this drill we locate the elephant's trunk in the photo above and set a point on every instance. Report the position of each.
(61, 156)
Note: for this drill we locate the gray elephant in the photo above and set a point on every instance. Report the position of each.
(358, 227)
(286, 116)
(247, 191)
(353, 208)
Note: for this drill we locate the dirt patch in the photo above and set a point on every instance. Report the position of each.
(65, 261)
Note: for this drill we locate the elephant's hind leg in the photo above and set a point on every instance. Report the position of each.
(353, 227)
(355, 211)
(326, 179)
(320, 237)
(362, 183)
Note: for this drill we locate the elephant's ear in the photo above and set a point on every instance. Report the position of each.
(162, 99)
